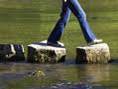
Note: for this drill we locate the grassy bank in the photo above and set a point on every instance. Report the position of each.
(27, 21)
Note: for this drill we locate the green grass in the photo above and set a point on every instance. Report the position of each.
(27, 21)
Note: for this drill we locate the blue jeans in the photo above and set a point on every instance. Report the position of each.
(74, 7)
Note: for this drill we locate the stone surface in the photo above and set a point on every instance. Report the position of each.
(43, 53)
(11, 52)
(98, 53)
(37, 74)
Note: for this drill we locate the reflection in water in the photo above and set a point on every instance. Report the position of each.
(95, 73)
(59, 76)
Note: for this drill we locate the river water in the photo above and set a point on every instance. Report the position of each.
(58, 76)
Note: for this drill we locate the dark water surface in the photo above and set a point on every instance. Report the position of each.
(58, 76)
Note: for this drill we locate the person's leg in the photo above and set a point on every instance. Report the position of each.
(59, 27)
(81, 16)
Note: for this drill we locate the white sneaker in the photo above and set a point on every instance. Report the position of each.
(96, 41)
(65, 0)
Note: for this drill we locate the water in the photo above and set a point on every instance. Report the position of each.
(58, 76)
(31, 21)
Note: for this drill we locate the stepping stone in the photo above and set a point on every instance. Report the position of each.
(97, 53)
(43, 53)
(11, 52)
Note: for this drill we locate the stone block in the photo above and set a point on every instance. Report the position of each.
(11, 52)
(97, 53)
(43, 53)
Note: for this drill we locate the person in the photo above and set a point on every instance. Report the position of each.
(73, 6)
